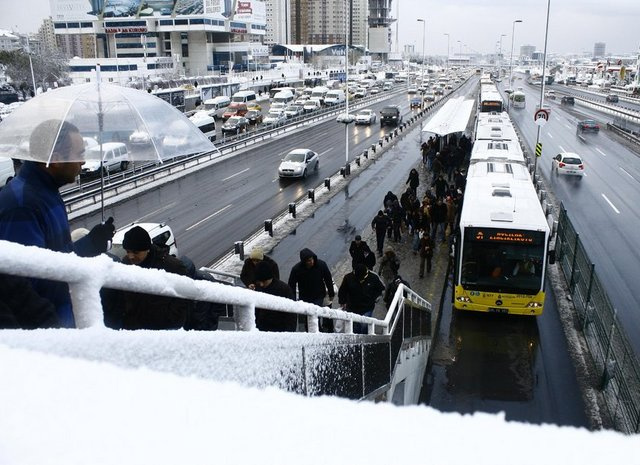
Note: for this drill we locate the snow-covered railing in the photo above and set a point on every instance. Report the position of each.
(86, 276)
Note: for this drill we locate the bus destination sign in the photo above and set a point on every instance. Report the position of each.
(506, 236)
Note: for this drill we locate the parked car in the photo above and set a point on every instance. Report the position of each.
(254, 116)
(588, 125)
(345, 118)
(235, 109)
(613, 98)
(311, 105)
(568, 163)
(139, 138)
(365, 116)
(298, 163)
(416, 102)
(235, 125)
(567, 100)
(390, 115)
(115, 157)
(293, 110)
(275, 118)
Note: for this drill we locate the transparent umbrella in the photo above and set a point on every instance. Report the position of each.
(150, 128)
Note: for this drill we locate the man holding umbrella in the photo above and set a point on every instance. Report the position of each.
(32, 211)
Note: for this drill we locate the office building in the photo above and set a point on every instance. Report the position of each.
(599, 50)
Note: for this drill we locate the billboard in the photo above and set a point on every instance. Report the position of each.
(252, 11)
(75, 10)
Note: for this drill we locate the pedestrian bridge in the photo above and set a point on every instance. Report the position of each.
(387, 364)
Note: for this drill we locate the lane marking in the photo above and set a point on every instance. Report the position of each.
(328, 150)
(568, 127)
(561, 148)
(171, 205)
(208, 217)
(610, 204)
(601, 152)
(549, 134)
(627, 173)
(238, 173)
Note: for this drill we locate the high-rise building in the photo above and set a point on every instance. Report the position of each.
(9, 41)
(527, 50)
(77, 45)
(323, 21)
(379, 33)
(278, 22)
(47, 36)
(599, 49)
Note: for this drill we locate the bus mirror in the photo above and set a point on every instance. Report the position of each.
(552, 257)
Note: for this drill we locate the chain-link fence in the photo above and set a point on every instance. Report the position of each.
(612, 354)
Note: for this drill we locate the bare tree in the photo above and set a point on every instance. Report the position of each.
(49, 69)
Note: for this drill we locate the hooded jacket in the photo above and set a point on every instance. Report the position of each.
(360, 294)
(313, 283)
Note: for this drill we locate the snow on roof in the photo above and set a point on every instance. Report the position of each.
(451, 118)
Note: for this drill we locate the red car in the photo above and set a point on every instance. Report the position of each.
(588, 125)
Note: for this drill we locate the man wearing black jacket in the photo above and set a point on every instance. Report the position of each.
(271, 320)
(358, 293)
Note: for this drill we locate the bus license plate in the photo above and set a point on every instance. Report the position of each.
(498, 310)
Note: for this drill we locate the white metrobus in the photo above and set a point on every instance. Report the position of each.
(490, 99)
(502, 245)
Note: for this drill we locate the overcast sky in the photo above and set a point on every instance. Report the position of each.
(574, 25)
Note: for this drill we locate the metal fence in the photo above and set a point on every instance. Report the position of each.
(610, 350)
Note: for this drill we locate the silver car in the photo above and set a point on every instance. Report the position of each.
(298, 163)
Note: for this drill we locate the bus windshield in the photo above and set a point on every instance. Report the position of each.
(507, 261)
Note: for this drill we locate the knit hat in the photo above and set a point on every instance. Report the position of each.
(136, 239)
(263, 271)
(256, 254)
(358, 238)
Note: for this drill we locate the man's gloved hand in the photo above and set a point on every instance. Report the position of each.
(101, 234)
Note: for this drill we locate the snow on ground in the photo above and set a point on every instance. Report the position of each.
(68, 411)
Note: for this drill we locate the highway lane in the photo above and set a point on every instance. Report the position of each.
(602, 206)
(229, 200)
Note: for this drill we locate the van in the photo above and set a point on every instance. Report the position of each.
(206, 123)
(115, 157)
(161, 235)
(319, 93)
(216, 106)
(286, 97)
(244, 96)
(334, 97)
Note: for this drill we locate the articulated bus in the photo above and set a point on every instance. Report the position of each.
(502, 245)
(490, 98)
(518, 99)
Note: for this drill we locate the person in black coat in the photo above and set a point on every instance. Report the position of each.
(358, 293)
(271, 320)
(413, 180)
(361, 253)
(146, 311)
(21, 307)
(312, 278)
(380, 224)
(247, 275)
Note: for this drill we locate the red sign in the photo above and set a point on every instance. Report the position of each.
(122, 30)
(244, 8)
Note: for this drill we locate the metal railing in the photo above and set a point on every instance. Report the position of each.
(613, 356)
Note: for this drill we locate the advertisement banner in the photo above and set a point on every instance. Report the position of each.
(189, 7)
(121, 8)
(251, 10)
(75, 10)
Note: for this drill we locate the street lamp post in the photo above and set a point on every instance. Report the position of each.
(544, 67)
(513, 30)
(424, 27)
(447, 34)
(500, 55)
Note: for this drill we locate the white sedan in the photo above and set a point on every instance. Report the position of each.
(365, 116)
(298, 163)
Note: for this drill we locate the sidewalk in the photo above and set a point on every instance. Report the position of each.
(430, 287)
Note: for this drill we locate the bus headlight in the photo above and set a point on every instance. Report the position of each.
(464, 299)
(534, 305)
